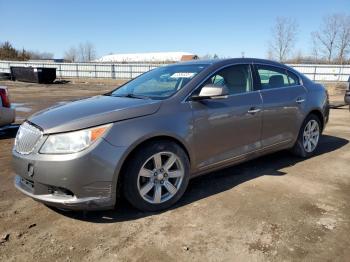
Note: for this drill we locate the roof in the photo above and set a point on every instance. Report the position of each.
(235, 60)
(149, 57)
(217, 63)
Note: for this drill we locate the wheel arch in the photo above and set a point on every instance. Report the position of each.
(138, 145)
(319, 114)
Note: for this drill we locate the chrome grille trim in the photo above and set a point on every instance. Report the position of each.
(27, 138)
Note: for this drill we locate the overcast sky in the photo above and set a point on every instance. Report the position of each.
(226, 28)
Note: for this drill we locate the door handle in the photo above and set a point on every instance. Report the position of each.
(300, 100)
(253, 110)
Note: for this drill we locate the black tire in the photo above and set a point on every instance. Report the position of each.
(134, 165)
(298, 148)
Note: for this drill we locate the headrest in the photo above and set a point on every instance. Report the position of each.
(276, 81)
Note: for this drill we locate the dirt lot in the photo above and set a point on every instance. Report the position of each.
(274, 208)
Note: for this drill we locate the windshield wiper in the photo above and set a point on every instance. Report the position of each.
(130, 95)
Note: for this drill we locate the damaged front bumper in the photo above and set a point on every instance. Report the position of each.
(81, 181)
(64, 201)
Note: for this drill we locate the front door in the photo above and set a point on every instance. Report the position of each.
(230, 127)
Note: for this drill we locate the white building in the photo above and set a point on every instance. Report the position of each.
(158, 57)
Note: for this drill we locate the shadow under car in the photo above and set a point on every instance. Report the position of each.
(211, 183)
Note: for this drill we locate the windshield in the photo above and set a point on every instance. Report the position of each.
(159, 83)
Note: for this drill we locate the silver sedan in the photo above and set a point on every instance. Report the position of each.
(147, 138)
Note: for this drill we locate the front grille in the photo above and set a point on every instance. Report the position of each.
(27, 138)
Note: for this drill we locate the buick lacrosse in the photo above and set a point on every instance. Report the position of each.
(147, 138)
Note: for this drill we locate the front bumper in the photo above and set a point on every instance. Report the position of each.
(81, 181)
(64, 201)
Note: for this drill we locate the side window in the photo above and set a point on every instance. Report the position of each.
(273, 77)
(217, 80)
(237, 79)
(293, 79)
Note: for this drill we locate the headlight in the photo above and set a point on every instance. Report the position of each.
(73, 142)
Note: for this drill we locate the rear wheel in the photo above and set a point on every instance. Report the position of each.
(309, 136)
(157, 176)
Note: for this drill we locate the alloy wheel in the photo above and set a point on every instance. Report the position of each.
(311, 135)
(160, 177)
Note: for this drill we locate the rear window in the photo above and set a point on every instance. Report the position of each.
(274, 77)
(293, 78)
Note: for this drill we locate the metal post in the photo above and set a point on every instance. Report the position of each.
(130, 70)
(315, 72)
(60, 70)
(113, 71)
(340, 72)
(77, 70)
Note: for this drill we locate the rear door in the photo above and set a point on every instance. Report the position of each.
(229, 127)
(283, 100)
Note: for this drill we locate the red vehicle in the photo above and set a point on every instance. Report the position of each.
(7, 114)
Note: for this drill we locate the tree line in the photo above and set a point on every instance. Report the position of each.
(330, 43)
(84, 52)
(8, 52)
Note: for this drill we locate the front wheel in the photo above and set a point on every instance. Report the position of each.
(156, 176)
(309, 136)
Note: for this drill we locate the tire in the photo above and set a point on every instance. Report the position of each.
(150, 181)
(302, 147)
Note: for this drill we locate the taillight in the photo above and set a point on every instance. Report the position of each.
(5, 97)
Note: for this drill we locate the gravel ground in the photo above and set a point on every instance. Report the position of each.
(274, 208)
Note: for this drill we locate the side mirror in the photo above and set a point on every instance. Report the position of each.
(211, 92)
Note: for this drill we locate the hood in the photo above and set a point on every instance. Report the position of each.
(94, 111)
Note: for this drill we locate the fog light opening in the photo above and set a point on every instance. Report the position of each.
(59, 191)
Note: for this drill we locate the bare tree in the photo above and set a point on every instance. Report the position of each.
(270, 54)
(326, 37)
(86, 52)
(40, 55)
(206, 56)
(210, 56)
(284, 35)
(315, 49)
(71, 54)
(343, 41)
(298, 57)
(333, 38)
(90, 51)
(82, 53)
